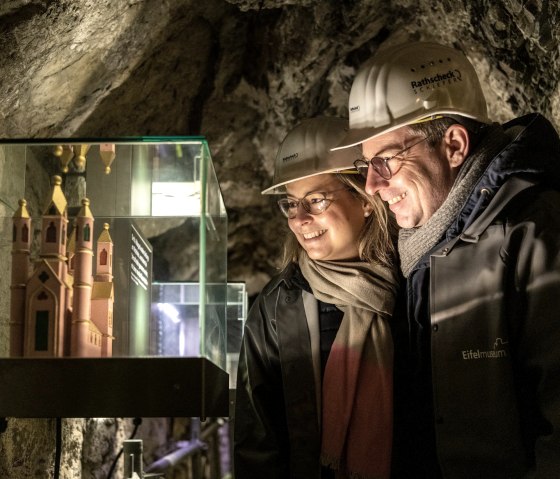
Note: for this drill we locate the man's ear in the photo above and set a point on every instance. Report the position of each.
(457, 144)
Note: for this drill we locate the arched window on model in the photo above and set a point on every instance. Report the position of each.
(103, 257)
(86, 232)
(51, 233)
(25, 234)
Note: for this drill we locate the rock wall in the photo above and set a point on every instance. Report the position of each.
(242, 73)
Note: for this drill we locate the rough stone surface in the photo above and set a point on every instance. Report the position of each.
(242, 73)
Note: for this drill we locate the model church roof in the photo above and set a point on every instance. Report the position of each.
(105, 237)
(22, 212)
(85, 212)
(56, 204)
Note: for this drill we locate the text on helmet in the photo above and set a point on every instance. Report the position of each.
(436, 81)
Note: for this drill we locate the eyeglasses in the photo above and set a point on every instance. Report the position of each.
(381, 164)
(314, 203)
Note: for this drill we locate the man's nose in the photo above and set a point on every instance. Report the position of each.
(375, 181)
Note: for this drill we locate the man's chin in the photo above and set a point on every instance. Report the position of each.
(404, 222)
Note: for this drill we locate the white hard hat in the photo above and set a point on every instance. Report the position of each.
(306, 151)
(409, 83)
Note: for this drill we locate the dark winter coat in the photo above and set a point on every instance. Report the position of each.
(276, 414)
(479, 373)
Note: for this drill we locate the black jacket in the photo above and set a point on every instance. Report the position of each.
(483, 397)
(276, 414)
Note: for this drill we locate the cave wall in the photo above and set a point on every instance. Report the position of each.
(241, 73)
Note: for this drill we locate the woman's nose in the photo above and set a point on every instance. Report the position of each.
(302, 215)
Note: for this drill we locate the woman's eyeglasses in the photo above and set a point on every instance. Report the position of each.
(314, 203)
(381, 164)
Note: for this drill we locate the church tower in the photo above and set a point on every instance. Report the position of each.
(103, 291)
(21, 248)
(55, 221)
(46, 291)
(104, 256)
(83, 283)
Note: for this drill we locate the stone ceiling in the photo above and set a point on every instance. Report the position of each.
(242, 73)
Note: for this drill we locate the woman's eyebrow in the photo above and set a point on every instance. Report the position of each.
(321, 189)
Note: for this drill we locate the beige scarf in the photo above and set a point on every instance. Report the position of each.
(357, 400)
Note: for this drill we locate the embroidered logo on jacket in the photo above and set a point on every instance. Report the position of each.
(498, 352)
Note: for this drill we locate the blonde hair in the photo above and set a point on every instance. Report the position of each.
(377, 239)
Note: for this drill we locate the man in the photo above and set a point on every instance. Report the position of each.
(478, 374)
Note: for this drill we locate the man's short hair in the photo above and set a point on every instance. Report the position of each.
(434, 130)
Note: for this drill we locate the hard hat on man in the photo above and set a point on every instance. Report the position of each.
(410, 83)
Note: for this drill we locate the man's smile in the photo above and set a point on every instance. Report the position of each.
(397, 198)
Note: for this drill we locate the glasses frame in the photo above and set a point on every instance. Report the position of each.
(381, 163)
(306, 206)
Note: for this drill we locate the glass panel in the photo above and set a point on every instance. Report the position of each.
(237, 304)
(159, 201)
(175, 316)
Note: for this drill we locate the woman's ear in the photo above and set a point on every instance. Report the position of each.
(367, 208)
(457, 145)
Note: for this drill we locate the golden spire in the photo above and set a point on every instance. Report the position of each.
(22, 212)
(107, 153)
(56, 199)
(105, 237)
(85, 211)
(80, 160)
(65, 153)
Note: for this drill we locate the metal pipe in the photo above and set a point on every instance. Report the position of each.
(185, 449)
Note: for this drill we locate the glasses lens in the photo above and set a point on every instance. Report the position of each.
(288, 207)
(315, 203)
(380, 165)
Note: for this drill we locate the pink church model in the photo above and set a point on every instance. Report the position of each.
(60, 309)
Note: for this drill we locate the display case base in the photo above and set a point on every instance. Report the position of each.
(112, 387)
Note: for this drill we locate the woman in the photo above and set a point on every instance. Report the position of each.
(314, 384)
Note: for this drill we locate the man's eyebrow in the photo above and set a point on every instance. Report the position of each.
(394, 145)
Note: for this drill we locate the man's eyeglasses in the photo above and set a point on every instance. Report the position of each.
(314, 203)
(381, 164)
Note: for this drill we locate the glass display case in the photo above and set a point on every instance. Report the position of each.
(237, 308)
(175, 323)
(90, 230)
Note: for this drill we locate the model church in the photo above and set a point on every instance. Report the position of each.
(60, 308)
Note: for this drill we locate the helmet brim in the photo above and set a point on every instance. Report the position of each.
(357, 136)
(280, 188)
